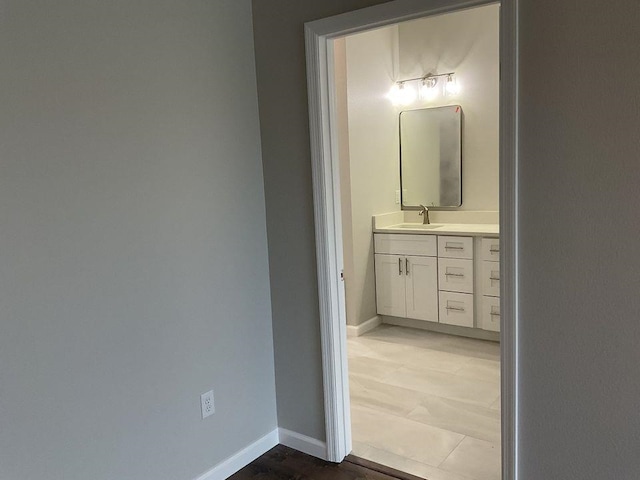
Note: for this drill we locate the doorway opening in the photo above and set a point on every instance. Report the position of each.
(326, 41)
(422, 321)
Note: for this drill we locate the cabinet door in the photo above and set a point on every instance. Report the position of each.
(403, 244)
(491, 313)
(456, 309)
(390, 285)
(422, 288)
(491, 249)
(491, 278)
(456, 275)
(455, 247)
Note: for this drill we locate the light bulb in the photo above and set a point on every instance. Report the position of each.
(407, 94)
(452, 85)
(401, 94)
(428, 90)
(394, 94)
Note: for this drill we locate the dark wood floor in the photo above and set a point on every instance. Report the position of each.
(283, 463)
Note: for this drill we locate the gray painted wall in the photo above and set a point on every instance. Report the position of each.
(124, 272)
(579, 239)
(133, 254)
(284, 123)
(579, 232)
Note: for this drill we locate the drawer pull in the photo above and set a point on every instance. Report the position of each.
(454, 274)
(494, 250)
(406, 264)
(493, 314)
(497, 279)
(456, 309)
(448, 247)
(399, 266)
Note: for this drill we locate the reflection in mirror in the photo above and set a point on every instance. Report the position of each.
(431, 157)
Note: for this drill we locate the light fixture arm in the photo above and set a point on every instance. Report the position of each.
(425, 77)
(403, 93)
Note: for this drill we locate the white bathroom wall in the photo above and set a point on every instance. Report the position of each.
(373, 156)
(340, 79)
(466, 43)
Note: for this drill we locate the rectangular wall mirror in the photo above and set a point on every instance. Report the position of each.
(431, 157)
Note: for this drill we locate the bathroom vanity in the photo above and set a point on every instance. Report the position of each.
(445, 274)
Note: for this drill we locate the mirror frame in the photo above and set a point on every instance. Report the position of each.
(431, 207)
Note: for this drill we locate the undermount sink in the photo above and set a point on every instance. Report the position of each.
(418, 226)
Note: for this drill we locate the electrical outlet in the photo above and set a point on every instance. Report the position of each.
(207, 405)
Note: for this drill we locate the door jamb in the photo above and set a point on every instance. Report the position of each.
(326, 189)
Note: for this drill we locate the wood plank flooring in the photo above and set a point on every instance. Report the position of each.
(283, 463)
(426, 403)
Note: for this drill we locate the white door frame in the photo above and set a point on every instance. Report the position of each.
(326, 191)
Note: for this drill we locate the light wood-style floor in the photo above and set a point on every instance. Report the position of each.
(426, 403)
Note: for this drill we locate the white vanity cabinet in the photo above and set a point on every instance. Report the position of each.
(490, 284)
(448, 279)
(406, 276)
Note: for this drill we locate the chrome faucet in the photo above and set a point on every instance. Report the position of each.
(424, 211)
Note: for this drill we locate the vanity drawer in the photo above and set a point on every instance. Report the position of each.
(401, 244)
(491, 249)
(455, 275)
(490, 314)
(491, 278)
(456, 309)
(455, 247)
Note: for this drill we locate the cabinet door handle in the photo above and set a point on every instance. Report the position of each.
(399, 266)
(494, 250)
(497, 279)
(493, 314)
(406, 265)
(454, 274)
(456, 309)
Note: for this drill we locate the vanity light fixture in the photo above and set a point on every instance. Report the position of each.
(403, 93)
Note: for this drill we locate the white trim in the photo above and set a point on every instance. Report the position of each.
(326, 195)
(241, 459)
(364, 327)
(302, 443)
(328, 248)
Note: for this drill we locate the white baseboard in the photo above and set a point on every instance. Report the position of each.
(364, 327)
(244, 457)
(477, 333)
(241, 459)
(302, 443)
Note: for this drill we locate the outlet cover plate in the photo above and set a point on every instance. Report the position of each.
(206, 404)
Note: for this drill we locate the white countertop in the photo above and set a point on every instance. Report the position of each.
(469, 229)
